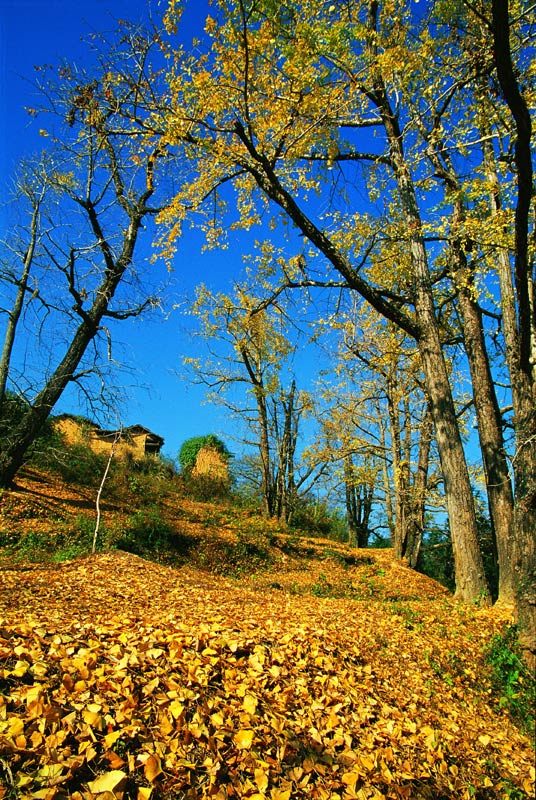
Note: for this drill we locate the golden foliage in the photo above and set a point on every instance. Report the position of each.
(122, 678)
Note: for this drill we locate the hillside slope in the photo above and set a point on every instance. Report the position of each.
(320, 672)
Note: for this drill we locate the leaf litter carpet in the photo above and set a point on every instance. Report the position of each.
(121, 678)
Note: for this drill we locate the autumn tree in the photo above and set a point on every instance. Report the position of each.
(486, 110)
(250, 353)
(102, 168)
(378, 413)
(285, 93)
(453, 113)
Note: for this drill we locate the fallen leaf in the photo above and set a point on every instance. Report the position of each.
(250, 704)
(243, 739)
(152, 767)
(108, 782)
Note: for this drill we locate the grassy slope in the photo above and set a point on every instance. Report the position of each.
(290, 670)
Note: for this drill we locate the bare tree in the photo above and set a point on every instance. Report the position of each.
(102, 169)
(31, 185)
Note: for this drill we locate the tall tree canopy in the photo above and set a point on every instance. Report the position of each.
(362, 122)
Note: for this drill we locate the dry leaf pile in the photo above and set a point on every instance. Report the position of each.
(120, 678)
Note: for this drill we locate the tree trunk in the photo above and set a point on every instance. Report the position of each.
(385, 478)
(14, 314)
(496, 468)
(267, 479)
(523, 360)
(470, 579)
(415, 525)
(286, 444)
(400, 470)
(351, 505)
(12, 455)
(359, 498)
(267, 488)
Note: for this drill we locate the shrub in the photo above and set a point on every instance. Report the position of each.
(14, 407)
(314, 518)
(34, 546)
(205, 488)
(146, 532)
(77, 463)
(437, 558)
(249, 554)
(511, 681)
(68, 540)
(147, 480)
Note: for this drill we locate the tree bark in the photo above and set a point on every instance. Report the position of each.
(523, 360)
(267, 488)
(359, 498)
(400, 470)
(471, 583)
(14, 314)
(496, 468)
(385, 478)
(416, 517)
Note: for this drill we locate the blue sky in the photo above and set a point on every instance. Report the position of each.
(35, 32)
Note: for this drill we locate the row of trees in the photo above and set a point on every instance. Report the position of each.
(397, 145)
(283, 104)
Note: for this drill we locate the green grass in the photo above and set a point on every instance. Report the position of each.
(513, 685)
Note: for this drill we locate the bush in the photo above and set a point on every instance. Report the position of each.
(249, 554)
(14, 407)
(313, 518)
(147, 480)
(204, 488)
(35, 546)
(66, 541)
(437, 557)
(146, 532)
(511, 681)
(77, 463)
(48, 440)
